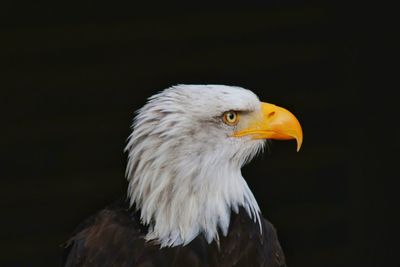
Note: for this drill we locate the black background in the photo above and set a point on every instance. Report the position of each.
(74, 73)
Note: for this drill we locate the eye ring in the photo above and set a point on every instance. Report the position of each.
(231, 117)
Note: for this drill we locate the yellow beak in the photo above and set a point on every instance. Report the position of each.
(273, 123)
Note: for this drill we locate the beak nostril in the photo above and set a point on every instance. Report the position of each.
(271, 114)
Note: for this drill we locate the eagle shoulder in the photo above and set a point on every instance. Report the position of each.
(245, 245)
(115, 237)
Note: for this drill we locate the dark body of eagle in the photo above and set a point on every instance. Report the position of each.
(115, 237)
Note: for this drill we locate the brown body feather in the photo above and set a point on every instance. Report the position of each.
(115, 237)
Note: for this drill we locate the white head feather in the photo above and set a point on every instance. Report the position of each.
(183, 166)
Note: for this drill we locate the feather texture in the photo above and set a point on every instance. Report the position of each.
(115, 237)
(184, 169)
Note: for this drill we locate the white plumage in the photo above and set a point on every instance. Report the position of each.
(184, 166)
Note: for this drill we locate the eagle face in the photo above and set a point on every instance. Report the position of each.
(186, 150)
(198, 122)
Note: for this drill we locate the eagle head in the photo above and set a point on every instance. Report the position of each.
(185, 155)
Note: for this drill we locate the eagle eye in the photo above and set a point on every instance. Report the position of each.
(231, 118)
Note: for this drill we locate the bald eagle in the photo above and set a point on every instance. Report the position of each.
(187, 202)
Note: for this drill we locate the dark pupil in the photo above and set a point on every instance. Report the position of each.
(231, 116)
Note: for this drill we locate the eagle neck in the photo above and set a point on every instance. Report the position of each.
(179, 202)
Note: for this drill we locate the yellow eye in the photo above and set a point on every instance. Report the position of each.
(231, 117)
